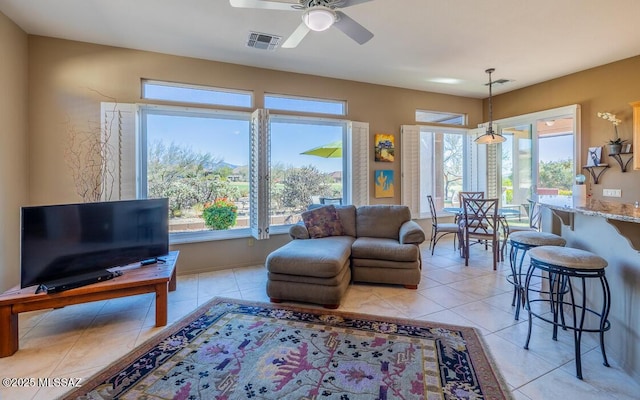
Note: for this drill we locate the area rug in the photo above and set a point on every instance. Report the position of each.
(232, 349)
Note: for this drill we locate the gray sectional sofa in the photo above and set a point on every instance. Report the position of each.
(340, 244)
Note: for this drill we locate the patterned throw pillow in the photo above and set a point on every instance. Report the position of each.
(322, 222)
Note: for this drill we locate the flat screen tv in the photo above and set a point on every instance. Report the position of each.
(60, 241)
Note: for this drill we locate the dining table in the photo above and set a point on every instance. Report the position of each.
(503, 213)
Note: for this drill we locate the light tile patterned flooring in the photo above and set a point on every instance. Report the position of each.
(78, 341)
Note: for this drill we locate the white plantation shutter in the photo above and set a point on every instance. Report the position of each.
(358, 163)
(476, 156)
(410, 168)
(259, 174)
(118, 130)
(492, 170)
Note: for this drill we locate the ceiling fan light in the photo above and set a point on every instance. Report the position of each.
(319, 18)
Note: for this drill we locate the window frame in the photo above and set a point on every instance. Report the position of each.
(141, 165)
(344, 124)
(462, 116)
(466, 142)
(573, 111)
(187, 86)
(143, 110)
(304, 98)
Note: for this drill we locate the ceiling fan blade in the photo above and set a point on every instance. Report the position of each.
(352, 29)
(263, 4)
(296, 37)
(349, 3)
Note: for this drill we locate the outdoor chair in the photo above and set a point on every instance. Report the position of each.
(438, 230)
(331, 200)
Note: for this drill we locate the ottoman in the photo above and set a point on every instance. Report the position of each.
(311, 271)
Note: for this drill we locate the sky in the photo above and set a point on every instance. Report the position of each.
(555, 148)
(228, 139)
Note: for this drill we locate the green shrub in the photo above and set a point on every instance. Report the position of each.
(220, 215)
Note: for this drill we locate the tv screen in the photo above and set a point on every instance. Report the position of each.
(59, 241)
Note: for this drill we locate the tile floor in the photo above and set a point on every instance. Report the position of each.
(77, 341)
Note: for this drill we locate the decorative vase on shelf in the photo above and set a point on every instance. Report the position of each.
(614, 148)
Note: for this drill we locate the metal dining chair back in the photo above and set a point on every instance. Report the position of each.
(480, 221)
(534, 225)
(469, 195)
(535, 215)
(438, 230)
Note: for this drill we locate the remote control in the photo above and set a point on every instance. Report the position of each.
(149, 261)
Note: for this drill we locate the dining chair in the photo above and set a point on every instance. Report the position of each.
(533, 225)
(469, 195)
(440, 229)
(480, 221)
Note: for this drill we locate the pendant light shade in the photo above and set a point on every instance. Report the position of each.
(319, 18)
(490, 136)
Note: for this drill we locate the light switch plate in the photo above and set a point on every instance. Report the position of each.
(611, 192)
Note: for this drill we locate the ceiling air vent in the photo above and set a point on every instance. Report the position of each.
(263, 41)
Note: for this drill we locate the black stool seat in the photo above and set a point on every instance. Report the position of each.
(521, 242)
(569, 269)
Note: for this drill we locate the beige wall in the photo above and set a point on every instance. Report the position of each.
(68, 80)
(608, 88)
(13, 146)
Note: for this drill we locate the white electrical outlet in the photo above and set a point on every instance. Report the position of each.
(611, 192)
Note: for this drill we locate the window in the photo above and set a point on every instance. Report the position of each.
(515, 166)
(540, 154)
(307, 165)
(303, 104)
(183, 93)
(436, 163)
(198, 159)
(435, 117)
(234, 173)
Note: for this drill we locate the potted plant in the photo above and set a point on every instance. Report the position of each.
(615, 144)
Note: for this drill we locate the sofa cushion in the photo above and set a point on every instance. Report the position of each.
(381, 221)
(298, 231)
(347, 215)
(384, 249)
(411, 232)
(322, 258)
(322, 222)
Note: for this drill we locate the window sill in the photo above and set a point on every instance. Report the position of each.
(230, 234)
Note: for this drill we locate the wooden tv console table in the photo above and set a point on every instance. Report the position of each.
(159, 278)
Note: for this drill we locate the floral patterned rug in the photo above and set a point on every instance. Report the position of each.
(231, 349)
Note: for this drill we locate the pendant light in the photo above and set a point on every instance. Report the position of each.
(490, 136)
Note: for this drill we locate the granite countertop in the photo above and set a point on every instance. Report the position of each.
(593, 207)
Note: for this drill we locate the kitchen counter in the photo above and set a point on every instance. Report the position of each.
(625, 218)
(593, 207)
(612, 231)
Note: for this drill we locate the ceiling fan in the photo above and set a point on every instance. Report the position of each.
(317, 15)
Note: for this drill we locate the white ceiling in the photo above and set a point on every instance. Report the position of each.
(415, 42)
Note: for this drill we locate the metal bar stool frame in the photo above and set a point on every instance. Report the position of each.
(516, 261)
(560, 286)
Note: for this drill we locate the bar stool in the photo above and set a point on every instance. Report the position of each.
(563, 264)
(521, 242)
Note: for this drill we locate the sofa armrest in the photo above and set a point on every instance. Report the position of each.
(411, 233)
(298, 231)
